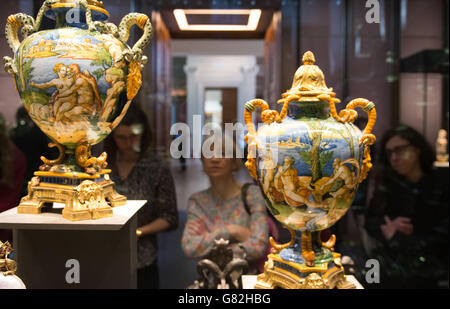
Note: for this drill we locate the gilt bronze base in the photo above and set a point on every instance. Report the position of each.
(279, 273)
(85, 196)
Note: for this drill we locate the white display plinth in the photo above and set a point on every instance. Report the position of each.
(441, 164)
(105, 249)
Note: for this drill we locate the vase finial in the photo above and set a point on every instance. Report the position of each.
(308, 58)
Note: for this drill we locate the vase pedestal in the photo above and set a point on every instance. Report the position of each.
(279, 273)
(51, 251)
(85, 196)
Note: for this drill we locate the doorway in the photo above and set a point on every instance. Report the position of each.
(220, 106)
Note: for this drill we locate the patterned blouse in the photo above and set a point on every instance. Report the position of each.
(150, 179)
(215, 214)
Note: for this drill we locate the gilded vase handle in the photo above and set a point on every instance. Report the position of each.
(28, 24)
(13, 25)
(267, 116)
(367, 137)
(134, 56)
(349, 115)
(369, 108)
(143, 22)
(250, 107)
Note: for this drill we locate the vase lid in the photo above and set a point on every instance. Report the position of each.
(95, 5)
(309, 81)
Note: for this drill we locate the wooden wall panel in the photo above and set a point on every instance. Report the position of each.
(155, 95)
(272, 61)
(421, 95)
(9, 100)
(229, 105)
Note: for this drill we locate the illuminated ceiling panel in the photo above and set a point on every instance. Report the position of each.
(182, 21)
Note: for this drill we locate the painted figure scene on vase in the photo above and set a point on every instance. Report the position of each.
(75, 100)
(314, 179)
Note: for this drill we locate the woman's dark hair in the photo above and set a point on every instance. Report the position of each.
(426, 155)
(22, 115)
(383, 173)
(135, 115)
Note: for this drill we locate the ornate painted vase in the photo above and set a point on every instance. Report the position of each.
(76, 82)
(308, 161)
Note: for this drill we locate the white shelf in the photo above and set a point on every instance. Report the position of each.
(441, 164)
(10, 219)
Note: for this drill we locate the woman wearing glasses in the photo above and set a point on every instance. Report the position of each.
(408, 213)
(140, 174)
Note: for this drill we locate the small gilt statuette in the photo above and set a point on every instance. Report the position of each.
(441, 146)
(8, 268)
(441, 149)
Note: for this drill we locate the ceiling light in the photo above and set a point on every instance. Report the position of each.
(253, 20)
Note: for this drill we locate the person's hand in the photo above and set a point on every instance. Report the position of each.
(238, 232)
(401, 224)
(388, 229)
(197, 228)
(404, 225)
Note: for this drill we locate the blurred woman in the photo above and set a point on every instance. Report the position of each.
(219, 211)
(141, 175)
(408, 213)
